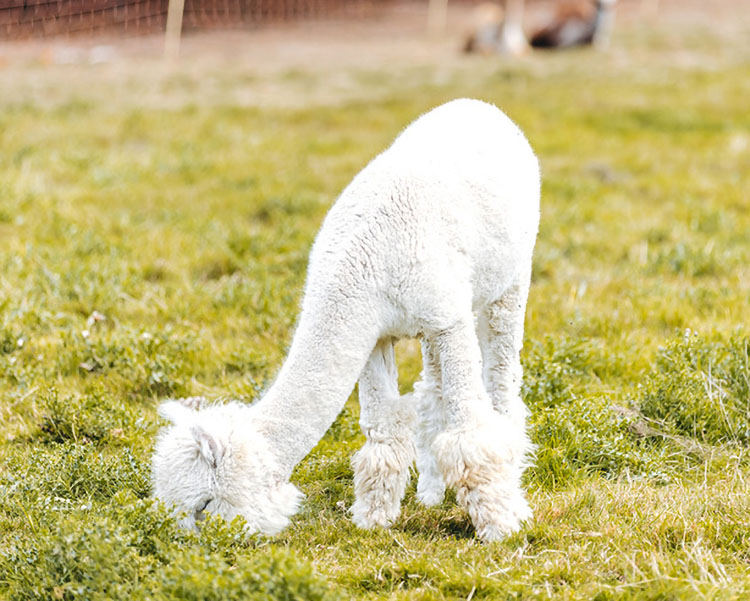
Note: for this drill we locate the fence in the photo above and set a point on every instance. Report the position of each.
(40, 18)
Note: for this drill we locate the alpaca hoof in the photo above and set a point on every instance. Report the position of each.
(494, 525)
(430, 492)
(367, 518)
(493, 533)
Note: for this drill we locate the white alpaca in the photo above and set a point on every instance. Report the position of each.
(433, 239)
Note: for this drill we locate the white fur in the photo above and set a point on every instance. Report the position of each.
(203, 458)
(432, 239)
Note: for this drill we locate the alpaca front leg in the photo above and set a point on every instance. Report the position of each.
(479, 463)
(478, 453)
(381, 466)
(429, 402)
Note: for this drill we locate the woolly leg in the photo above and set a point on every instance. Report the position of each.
(480, 447)
(501, 335)
(381, 466)
(429, 401)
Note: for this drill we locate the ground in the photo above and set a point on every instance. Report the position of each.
(155, 223)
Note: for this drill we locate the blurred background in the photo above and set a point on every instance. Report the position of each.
(164, 168)
(326, 36)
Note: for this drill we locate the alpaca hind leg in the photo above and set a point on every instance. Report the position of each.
(381, 466)
(429, 402)
(479, 448)
(500, 331)
(502, 341)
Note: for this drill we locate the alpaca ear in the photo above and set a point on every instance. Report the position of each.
(208, 446)
(174, 411)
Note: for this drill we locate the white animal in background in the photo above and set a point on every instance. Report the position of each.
(433, 239)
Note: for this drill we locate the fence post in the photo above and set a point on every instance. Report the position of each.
(173, 30)
(437, 16)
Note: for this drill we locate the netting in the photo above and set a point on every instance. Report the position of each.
(40, 18)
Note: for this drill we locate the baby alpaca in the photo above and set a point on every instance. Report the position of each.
(433, 239)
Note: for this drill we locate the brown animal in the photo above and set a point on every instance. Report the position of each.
(577, 23)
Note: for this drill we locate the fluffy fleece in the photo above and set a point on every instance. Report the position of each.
(433, 239)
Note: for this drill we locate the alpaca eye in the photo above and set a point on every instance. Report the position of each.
(199, 512)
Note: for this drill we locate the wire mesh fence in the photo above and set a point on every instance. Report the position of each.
(42, 18)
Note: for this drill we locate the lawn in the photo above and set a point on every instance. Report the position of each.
(158, 249)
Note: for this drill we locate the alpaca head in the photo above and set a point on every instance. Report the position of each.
(213, 460)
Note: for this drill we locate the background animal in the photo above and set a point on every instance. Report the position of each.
(497, 30)
(577, 23)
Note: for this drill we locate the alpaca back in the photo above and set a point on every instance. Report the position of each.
(455, 195)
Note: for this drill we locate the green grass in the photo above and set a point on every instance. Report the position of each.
(187, 228)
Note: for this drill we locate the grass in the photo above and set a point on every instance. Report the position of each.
(152, 252)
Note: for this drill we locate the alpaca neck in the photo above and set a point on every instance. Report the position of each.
(324, 362)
